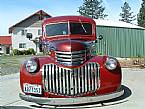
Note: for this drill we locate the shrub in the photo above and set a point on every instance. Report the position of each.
(24, 52)
(27, 52)
(16, 52)
(99, 53)
(31, 51)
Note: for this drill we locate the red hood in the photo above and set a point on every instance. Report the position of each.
(69, 45)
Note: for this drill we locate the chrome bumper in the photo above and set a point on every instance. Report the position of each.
(71, 101)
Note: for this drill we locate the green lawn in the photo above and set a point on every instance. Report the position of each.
(11, 64)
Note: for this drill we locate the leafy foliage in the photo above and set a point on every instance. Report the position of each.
(126, 15)
(92, 9)
(141, 15)
(15, 51)
(31, 51)
(23, 52)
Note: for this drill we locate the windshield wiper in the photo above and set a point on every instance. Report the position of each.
(82, 26)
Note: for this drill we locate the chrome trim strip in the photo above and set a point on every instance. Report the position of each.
(56, 82)
(43, 78)
(69, 60)
(71, 63)
(86, 78)
(89, 77)
(63, 70)
(46, 68)
(74, 52)
(50, 78)
(78, 81)
(82, 78)
(95, 75)
(67, 82)
(70, 56)
(60, 80)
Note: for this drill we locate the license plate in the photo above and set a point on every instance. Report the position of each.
(32, 88)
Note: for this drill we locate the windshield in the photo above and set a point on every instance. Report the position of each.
(81, 28)
(57, 29)
(75, 28)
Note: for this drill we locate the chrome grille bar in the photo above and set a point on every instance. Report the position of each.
(71, 58)
(57, 78)
(71, 82)
(50, 78)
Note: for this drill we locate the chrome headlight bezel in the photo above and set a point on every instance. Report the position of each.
(111, 63)
(31, 66)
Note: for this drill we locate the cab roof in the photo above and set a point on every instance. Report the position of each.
(68, 18)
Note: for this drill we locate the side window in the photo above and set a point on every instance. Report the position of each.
(23, 32)
(22, 45)
(39, 32)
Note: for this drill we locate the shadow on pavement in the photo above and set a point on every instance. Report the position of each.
(127, 93)
(14, 107)
(119, 100)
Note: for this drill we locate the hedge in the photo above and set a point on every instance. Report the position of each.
(24, 52)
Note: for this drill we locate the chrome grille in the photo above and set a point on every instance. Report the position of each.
(71, 58)
(71, 82)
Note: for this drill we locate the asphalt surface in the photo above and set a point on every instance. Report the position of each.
(133, 82)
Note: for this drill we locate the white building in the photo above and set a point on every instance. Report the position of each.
(31, 24)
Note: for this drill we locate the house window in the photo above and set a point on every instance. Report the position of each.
(22, 45)
(23, 32)
(39, 32)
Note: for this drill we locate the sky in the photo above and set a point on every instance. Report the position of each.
(13, 11)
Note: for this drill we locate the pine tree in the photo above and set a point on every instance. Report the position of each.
(92, 9)
(126, 15)
(141, 15)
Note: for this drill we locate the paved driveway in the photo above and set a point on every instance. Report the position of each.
(133, 83)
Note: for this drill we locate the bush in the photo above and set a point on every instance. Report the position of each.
(24, 52)
(31, 51)
(99, 53)
(16, 52)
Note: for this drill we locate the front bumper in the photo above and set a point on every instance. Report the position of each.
(71, 101)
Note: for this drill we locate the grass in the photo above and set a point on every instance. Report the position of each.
(11, 64)
(9, 61)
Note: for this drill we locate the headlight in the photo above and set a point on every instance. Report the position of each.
(31, 66)
(111, 64)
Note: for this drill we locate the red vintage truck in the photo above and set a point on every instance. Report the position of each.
(71, 72)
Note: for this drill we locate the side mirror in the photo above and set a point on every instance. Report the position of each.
(100, 37)
(29, 35)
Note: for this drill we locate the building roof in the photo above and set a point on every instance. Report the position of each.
(40, 13)
(111, 23)
(5, 40)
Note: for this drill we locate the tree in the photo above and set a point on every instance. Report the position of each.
(126, 15)
(92, 9)
(141, 15)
